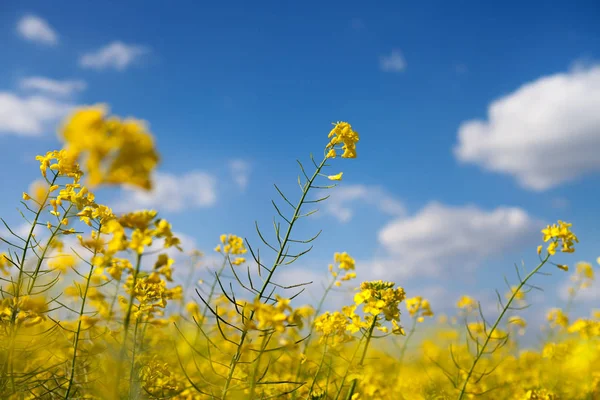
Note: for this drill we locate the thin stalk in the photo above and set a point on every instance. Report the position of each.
(132, 370)
(311, 330)
(126, 323)
(81, 311)
(263, 346)
(213, 287)
(9, 364)
(278, 259)
(362, 358)
(341, 387)
(491, 332)
(34, 276)
(318, 369)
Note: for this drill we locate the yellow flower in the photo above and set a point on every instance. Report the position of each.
(559, 232)
(4, 263)
(337, 177)
(556, 317)
(419, 308)
(115, 151)
(380, 299)
(342, 134)
(467, 303)
(62, 262)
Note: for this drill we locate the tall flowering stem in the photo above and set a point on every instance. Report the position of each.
(341, 138)
(556, 234)
(278, 261)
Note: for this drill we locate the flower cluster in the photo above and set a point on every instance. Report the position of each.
(116, 151)
(232, 245)
(343, 263)
(342, 134)
(467, 303)
(419, 308)
(277, 316)
(559, 234)
(332, 326)
(556, 317)
(381, 299)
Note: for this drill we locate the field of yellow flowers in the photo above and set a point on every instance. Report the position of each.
(90, 308)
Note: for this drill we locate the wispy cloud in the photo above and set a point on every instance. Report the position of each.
(344, 198)
(240, 173)
(393, 62)
(36, 29)
(116, 55)
(30, 115)
(52, 86)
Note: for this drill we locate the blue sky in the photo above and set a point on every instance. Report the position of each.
(440, 204)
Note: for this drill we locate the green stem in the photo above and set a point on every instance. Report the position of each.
(362, 358)
(278, 260)
(81, 311)
(311, 330)
(263, 346)
(341, 387)
(9, 364)
(126, 323)
(492, 330)
(132, 370)
(34, 276)
(212, 289)
(318, 369)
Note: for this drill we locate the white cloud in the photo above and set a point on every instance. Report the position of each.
(341, 200)
(439, 239)
(116, 55)
(394, 62)
(173, 193)
(240, 173)
(37, 29)
(52, 86)
(545, 133)
(30, 115)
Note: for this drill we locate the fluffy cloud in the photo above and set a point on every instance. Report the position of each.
(341, 200)
(36, 29)
(173, 193)
(52, 86)
(545, 133)
(116, 55)
(30, 115)
(240, 173)
(394, 62)
(440, 238)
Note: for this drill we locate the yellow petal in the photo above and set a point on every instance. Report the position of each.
(337, 177)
